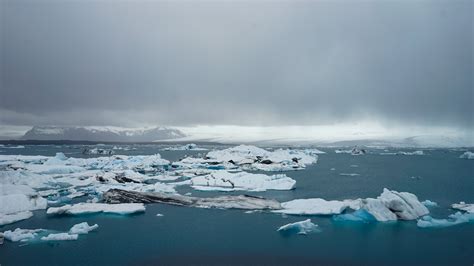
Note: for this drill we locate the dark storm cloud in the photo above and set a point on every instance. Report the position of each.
(260, 62)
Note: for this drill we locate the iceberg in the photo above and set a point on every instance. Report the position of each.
(187, 147)
(349, 174)
(463, 207)
(225, 181)
(467, 155)
(82, 228)
(453, 219)
(300, 228)
(16, 203)
(392, 205)
(60, 237)
(411, 153)
(88, 208)
(22, 235)
(353, 151)
(248, 157)
(97, 151)
(316, 206)
(14, 217)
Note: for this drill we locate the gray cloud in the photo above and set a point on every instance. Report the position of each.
(245, 63)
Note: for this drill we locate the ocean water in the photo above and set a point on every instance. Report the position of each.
(232, 237)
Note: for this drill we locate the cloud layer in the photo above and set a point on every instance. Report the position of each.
(240, 63)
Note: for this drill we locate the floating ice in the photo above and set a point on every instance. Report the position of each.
(429, 203)
(354, 151)
(467, 155)
(187, 147)
(225, 181)
(98, 151)
(159, 215)
(22, 235)
(392, 205)
(82, 228)
(14, 217)
(464, 207)
(251, 158)
(86, 208)
(316, 206)
(453, 219)
(349, 174)
(60, 237)
(300, 228)
(15, 203)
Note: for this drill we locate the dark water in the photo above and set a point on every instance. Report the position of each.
(204, 236)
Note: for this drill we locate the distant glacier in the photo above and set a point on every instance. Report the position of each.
(102, 134)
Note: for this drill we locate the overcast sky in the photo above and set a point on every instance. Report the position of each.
(185, 63)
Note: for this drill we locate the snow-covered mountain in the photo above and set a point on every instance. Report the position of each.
(102, 133)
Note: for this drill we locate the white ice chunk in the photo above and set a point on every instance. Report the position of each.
(378, 209)
(15, 203)
(21, 234)
(86, 208)
(316, 206)
(223, 180)
(82, 228)
(405, 205)
(429, 203)
(453, 219)
(301, 228)
(60, 237)
(467, 155)
(464, 207)
(14, 217)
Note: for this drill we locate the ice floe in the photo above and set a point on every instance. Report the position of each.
(392, 205)
(464, 207)
(187, 147)
(453, 219)
(467, 155)
(60, 237)
(248, 157)
(349, 174)
(300, 228)
(316, 206)
(98, 151)
(226, 181)
(82, 228)
(14, 217)
(87, 208)
(22, 235)
(353, 151)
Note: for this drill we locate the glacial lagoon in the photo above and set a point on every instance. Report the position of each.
(168, 234)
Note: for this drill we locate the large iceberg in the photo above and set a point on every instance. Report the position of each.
(16, 202)
(392, 205)
(300, 228)
(226, 181)
(467, 155)
(87, 208)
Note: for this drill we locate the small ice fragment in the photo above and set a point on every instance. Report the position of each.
(82, 228)
(300, 228)
(429, 203)
(60, 237)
